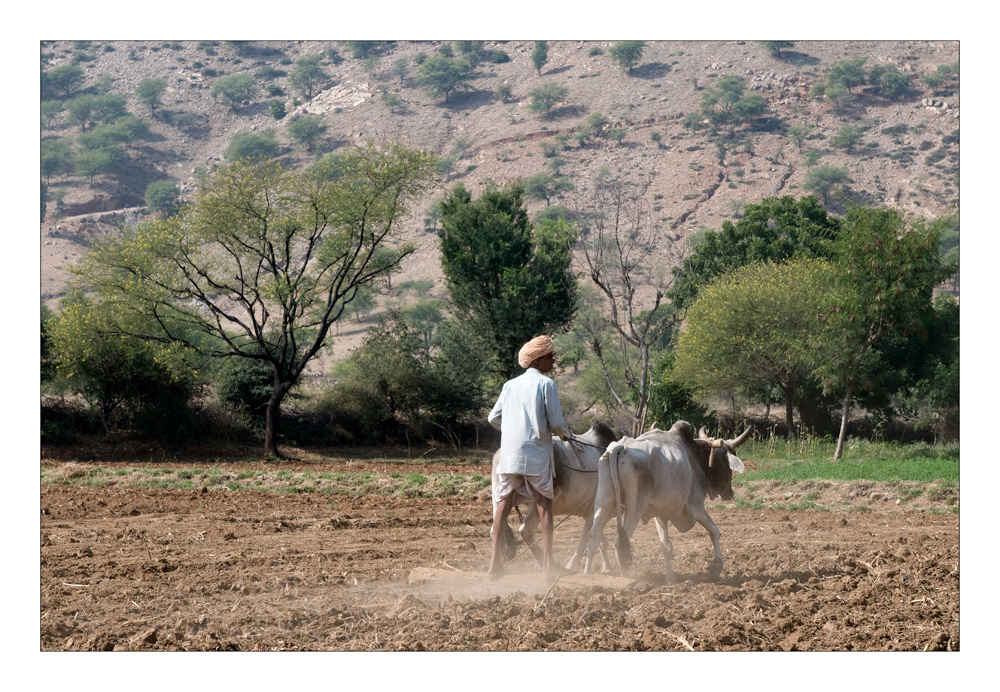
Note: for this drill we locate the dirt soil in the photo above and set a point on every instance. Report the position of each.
(136, 569)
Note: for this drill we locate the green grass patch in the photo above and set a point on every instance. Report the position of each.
(810, 459)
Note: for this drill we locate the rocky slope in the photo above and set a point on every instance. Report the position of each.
(907, 158)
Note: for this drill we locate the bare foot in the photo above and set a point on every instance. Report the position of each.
(493, 575)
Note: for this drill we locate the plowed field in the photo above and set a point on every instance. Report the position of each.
(143, 569)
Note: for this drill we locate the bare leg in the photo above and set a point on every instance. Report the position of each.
(500, 514)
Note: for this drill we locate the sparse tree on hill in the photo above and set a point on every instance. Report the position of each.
(248, 145)
(162, 195)
(547, 187)
(540, 55)
(63, 80)
(307, 74)
(307, 130)
(850, 72)
(847, 137)
(150, 91)
(400, 68)
(234, 89)
(545, 96)
(823, 180)
(440, 75)
(627, 54)
(775, 47)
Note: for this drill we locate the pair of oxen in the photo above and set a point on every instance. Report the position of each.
(663, 475)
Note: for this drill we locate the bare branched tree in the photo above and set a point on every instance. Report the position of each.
(631, 271)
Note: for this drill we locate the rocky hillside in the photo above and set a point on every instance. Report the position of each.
(907, 154)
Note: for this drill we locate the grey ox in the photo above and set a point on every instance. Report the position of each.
(575, 487)
(663, 475)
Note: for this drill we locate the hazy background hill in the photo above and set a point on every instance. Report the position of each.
(906, 154)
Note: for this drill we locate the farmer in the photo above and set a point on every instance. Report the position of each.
(527, 414)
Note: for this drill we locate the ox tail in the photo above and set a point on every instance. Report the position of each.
(623, 547)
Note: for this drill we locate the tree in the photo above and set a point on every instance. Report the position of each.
(617, 242)
(265, 261)
(56, 157)
(121, 379)
(307, 130)
(400, 68)
(545, 96)
(440, 76)
(888, 268)
(890, 81)
(306, 74)
(850, 72)
(778, 228)
(508, 280)
(775, 47)
(750, 328)
(823, 179)
(798, 134)
(627, 54)
(91, 163)
(547, 187)
(234, 89)
(162, 195)
(540, 55)
(846, 137)
(247, 145)
(62, 80)
(361, 49)
(749, 107)
(150, 91)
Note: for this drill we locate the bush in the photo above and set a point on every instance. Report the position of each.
(247, 145)
(162, 195)
(499, 56)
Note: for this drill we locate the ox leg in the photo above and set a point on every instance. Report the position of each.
(596, 538)
(715, 566)
(667, 548)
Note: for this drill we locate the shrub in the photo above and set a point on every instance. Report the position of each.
(162, 195)
(499, 56)
(247, 145)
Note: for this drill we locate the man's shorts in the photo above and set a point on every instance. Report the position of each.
(521, 487)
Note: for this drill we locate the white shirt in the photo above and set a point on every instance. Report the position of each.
(527, 414)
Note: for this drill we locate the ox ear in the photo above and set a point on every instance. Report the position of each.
(735, 463)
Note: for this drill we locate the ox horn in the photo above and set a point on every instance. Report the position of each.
(703, 433)
(741, 439)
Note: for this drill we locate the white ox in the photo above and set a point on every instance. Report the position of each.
(575, 487)
(663, 475)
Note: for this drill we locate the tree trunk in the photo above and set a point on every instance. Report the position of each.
(843, 423)
(271, 418)
(789, 416)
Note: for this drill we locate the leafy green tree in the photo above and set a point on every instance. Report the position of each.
(124, 131)
(162, 195)
(775, 47)
(307, 74)
(850, 72)
(540, 55)
(509, 281)
(847, 137)
(798, 134)
(890, 81)
(888, 269)
(545, 96)
(276, 107)
(400, 68)
(234, 89)
(62, 80)
(936, 383)
(150, 92)
(391, 100)
(425, 316)
(776, 229)
(244, 386)
(307, 130)
(627, 54)
(361, 49)
(824, 179)
(247, 145)
(749, 107)
(547, 187)
(123, 380)
(750, 330)
(265, 261)
(671, 400)
(91, 163)
(56, 157)
(596, 122)
(440, 76)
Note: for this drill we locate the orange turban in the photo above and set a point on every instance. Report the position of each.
(536, 348)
